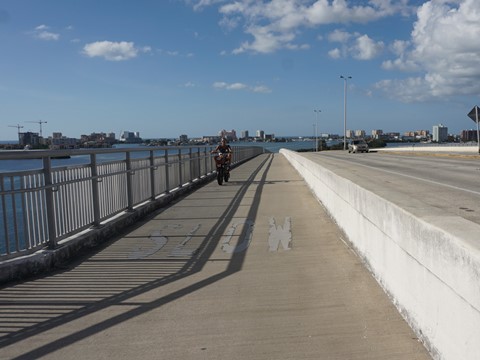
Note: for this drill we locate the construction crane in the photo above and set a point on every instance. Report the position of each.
(18, 128)
(38, 122)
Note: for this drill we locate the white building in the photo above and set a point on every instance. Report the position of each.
(440, 133)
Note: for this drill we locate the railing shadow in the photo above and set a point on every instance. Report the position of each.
(72, 295)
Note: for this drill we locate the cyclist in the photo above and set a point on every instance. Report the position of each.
(223, 148)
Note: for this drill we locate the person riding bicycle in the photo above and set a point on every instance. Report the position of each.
(223, 148)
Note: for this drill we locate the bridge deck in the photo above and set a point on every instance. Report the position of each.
(253, 269)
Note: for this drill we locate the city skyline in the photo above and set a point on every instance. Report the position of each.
(259, 133)
(191, 66)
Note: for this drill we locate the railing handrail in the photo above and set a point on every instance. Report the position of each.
(54, 202)
(36, 154)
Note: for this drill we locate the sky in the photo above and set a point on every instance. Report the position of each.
(171, 67)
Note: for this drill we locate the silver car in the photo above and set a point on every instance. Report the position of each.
(357, 145)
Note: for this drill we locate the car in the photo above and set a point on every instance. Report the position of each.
(357, 145)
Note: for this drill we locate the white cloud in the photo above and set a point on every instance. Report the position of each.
(41, 32)
(240, 86)
(200, 4)
(275, 25)
(335, 53)
(340, 36)
(261, 89)
(444, 47)
(226, 86)
(360, 47)
(113, 51)
(367, 49)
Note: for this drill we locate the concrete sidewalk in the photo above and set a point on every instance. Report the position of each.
(253, 269)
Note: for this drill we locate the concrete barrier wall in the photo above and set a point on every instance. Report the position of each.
(429, 266)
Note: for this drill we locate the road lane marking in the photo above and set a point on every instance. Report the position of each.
(418, 178)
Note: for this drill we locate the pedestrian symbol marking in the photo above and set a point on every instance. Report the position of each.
(280, 235)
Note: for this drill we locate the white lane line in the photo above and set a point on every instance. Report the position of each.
(421, 179)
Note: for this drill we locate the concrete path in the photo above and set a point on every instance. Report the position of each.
(253, 269)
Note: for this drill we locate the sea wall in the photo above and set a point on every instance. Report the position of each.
(429, 266)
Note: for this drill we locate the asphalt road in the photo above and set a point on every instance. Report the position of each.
(433, 183)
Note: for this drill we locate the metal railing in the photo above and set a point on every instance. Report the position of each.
(54, 198)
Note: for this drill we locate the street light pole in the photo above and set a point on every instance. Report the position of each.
(345, 78)
(316, 128)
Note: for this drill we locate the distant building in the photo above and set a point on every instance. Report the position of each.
(417, 134)
(58, 141)
(28, 138)
(440, 133)
(97, 140)
(183, 139)
(468, 135)
(260, 134)
(359, 133)
(392, 136)
(211, 139)
(229, 135)
(245, 134)
(377, 134)
(350, 134)
(130, 137)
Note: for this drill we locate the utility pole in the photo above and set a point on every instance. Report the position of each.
(317, 111)
(38, 122)
(345, 78)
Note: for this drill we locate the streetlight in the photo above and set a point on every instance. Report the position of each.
(316, 127)
(345, 78)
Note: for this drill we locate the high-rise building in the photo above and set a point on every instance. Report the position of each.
(440, 133)
(360, 133)
(376, 134)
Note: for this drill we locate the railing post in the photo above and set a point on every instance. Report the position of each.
(190, 164)
(180, 172)
(129, 182)
(207, 170)
(47, 173)
(152, 175)
(95, 191)
(167, 172)
(199, 163)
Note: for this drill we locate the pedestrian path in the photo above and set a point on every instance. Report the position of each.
(252, 269)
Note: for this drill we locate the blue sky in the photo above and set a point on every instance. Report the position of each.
(194, 67)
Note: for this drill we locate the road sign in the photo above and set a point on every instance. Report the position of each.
(474, 113)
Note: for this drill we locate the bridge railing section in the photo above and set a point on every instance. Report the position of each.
(47, 196)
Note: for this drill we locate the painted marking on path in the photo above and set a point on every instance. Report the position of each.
(280, 235)
(179, 250)
(157, 242)
(243, 245)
